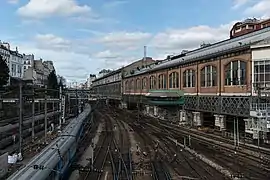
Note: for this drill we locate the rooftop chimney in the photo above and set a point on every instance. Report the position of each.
(6, 44)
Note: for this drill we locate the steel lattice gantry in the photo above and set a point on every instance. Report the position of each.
(227, 105)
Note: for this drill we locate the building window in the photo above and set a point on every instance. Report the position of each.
(209, 76)
(19, 70)
(162, 84)
(144, 83)
(131, 84)
(235, 73)
(152, 82)
(138, 82)
(189, 78)
(13, 69)
(127, 85)
(262, 73)
(174, 80)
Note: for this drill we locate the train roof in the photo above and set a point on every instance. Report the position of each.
(49, 156)
(229, 45)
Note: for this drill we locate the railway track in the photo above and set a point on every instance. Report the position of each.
(13, 120)
(101, 152)
(262, 150)
(183, 163)
(113, 162)
(240, 164)
(123, 147)
(168, 158)
(109, 150)
(158, 167)
(159, 171)
(8, 144)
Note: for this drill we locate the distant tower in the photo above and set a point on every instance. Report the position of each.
(144, 55)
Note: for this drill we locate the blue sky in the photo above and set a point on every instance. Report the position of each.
(85, 36)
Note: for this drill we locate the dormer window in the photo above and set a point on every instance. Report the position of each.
(250, 26)
(263, 25)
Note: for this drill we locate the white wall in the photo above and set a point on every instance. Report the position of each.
(30, 74)
(16, 66)
(260, 54)
(28, 61)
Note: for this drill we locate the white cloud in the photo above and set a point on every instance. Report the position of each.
(63, 45)
(13, 1)
(114, 59)
(172, 41)
(107, 55)
(176, 40)
(86, 19)
(77, 58)
(90, 31)
(46, 8)
(72, 66)
(239, 3)
(50, 41)
(113, 4)
(129, 40)
(261, 8)
(94, 19)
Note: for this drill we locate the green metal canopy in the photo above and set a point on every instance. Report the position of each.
(165, 93)
(165, 97)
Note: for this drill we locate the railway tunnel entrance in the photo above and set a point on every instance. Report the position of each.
(113, 102)
(208, 120)
(131, 106)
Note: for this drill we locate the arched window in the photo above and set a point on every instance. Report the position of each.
(152, 82)
(162, 83)
(235, 73)
(132, 84)
(174, 80)
(208, 76)
(138, 83)
(189, 78)
(126, 85)
(144, 83)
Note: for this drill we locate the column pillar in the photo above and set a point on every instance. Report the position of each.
(217, 122)
(189, 118)
(123, 105)
(147, 109)
(162, 113)
(197, 120)
(155, 110)
(222, 122)
(182, 117)
(152, 111)
(248, 124)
